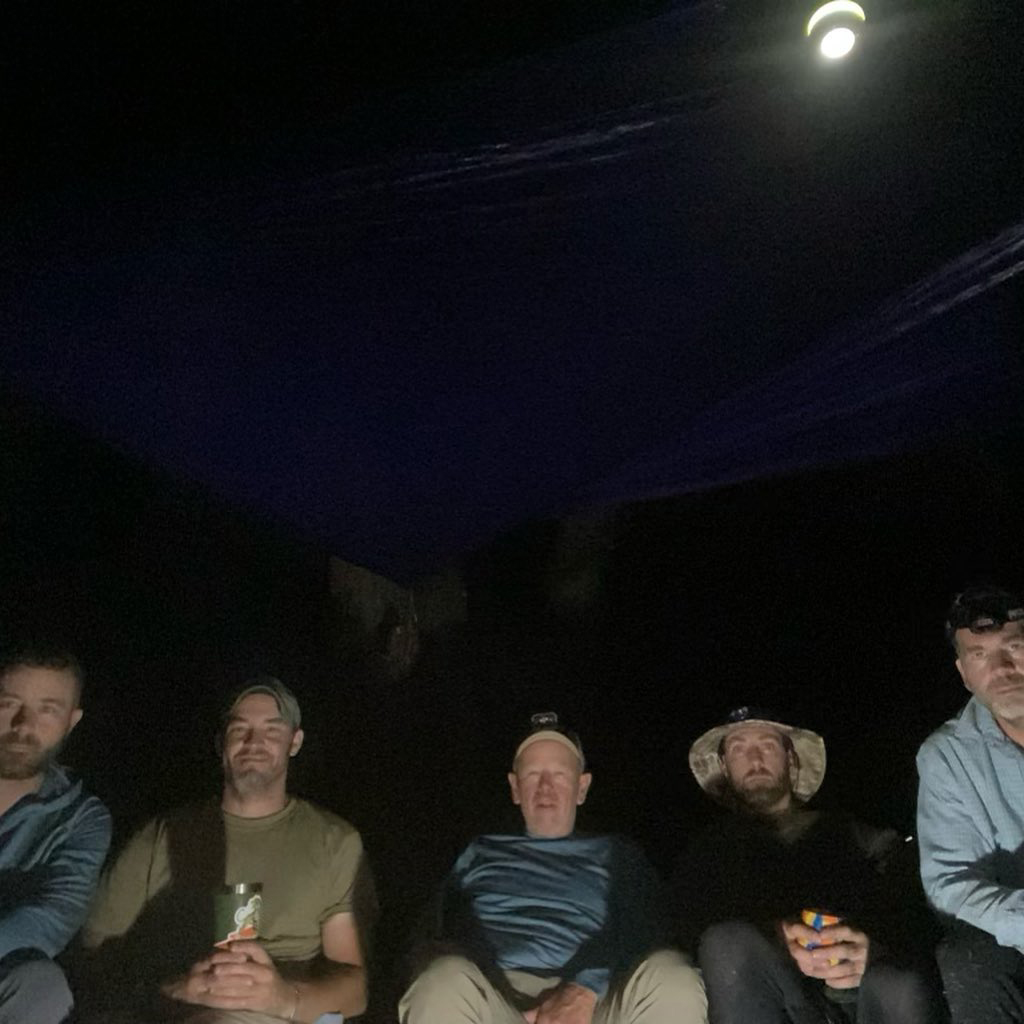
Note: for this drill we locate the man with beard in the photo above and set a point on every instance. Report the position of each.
(152, 927)
(53, 837)
(551, 926)
(744, 884)
(971, 813)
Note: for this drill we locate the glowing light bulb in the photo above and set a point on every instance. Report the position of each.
(834, 26)
(833, 8)
(837, 43)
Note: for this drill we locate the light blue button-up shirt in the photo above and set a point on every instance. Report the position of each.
(970, 823)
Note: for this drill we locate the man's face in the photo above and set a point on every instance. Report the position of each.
(992, 667)
(548, 786)
(38, 708)
(758, 765)
(257, 745)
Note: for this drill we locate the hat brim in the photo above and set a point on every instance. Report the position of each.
(706, 765)
(549, 734)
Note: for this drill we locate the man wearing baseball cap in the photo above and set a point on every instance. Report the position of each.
(151, 933)
(971, 813)
(789, 907)
(551, 925)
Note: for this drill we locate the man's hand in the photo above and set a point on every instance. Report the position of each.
(193, 987)
(839, 942)
(241, 977)
(566, 1004)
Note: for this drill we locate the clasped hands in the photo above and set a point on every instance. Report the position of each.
(568, 1003)
(835, 942)
(240, 977)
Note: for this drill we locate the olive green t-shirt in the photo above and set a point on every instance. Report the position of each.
(155, 903)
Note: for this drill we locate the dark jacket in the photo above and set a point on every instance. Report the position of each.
(744, 868)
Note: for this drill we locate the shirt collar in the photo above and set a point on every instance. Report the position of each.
(976, 718)
(54, 781)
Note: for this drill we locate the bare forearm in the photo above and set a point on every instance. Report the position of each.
(340, 988)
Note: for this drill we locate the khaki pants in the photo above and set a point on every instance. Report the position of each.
(664, 989)
(204, 1015)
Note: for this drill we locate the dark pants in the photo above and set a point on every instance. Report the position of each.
(33, 990)
(984, 981)
(753, 980)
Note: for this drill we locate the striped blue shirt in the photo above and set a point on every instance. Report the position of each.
(578, 908)
(970, 822)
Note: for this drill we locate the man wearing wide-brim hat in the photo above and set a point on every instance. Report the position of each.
(745, 882)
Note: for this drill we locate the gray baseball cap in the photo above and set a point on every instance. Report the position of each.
(284, 698)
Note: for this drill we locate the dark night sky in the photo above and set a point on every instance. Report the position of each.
(616, 317)
(567, 256)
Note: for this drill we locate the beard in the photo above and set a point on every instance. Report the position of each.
(32, 760)
(250, 780)
(762, 792)
(1007, 701)
(251, 777)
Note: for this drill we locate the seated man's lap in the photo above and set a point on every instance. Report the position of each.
(665, 984)
(983, 981)
(663, 987)
(33, 990)
(452, 988)
(744, 969)
(211, 1016)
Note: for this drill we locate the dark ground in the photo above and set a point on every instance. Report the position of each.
(820, 595)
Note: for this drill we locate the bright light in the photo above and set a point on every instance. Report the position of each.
(847, 8)
(837, 42)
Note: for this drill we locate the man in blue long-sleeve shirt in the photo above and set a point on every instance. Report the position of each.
(53, 837)
(552, 927)
(970, 813)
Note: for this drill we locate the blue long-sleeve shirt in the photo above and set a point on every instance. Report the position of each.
(970, 823)
(579, 908)
(52, 846)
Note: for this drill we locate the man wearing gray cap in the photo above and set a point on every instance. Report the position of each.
(551, 926)
(789, 908)
(970, 813)
(152, 926)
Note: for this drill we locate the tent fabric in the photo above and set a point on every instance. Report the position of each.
(612, 301)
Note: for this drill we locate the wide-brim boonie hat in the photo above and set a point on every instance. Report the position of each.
(809, 747)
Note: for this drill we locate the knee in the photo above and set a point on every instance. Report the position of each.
(730, 942)
(669, 988)
(36, 990)
(982, 980)
(442, 978)
(671, 973)
(906, 993)
(446, 971)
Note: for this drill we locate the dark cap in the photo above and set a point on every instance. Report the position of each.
(283, 697)
(982, 610)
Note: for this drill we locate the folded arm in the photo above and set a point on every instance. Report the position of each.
(54, 896)
(955, 849)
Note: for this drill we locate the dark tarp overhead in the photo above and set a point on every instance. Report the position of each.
(646, 263)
